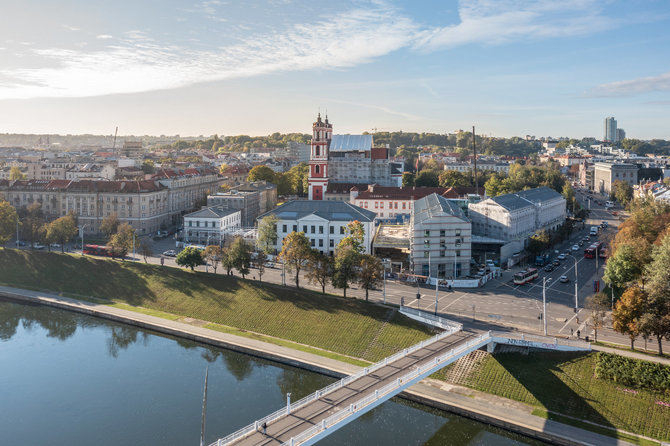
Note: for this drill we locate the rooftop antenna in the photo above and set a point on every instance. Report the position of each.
(115, 132)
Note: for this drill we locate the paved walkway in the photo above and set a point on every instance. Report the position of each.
(440, 396)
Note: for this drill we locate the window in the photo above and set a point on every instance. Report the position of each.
(376, 205)
(403, 205)
(295, 228)
(442, 232)
(304, 229)
(320, 229)
(311, 242)
(442, 253)
(426, 233)
(426, 254)
(458, 253)
(313, 228)
(316, 168)
(458, 232)
(283, 228)
(341, 230)
(320, 243)
(332, 243)
(332, 229)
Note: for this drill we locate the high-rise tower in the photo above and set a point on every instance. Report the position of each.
(609, 130)
(322, 133)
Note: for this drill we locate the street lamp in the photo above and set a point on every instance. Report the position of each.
(544, 304)
(576, 278)
(81, 232)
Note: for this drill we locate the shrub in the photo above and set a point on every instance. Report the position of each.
(633, 372)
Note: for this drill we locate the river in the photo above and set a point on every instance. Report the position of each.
(71, 379)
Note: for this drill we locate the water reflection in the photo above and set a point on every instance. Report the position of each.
(58, 324)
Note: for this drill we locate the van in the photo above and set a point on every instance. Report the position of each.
(609, 204)
(594, 230)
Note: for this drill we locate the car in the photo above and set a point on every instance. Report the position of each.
(39, 246)
(549, 268)
(586, 238)
(564, 279)
(170, 253)
(556, 262)
(20, 243)
(55, 245)
(604, 224)
(581, 243)
(609, 204)
(561, 256)
(575, 247)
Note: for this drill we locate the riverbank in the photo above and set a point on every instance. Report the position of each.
(498, 412)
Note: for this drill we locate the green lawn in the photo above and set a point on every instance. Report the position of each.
(345, 326)
(564, 383)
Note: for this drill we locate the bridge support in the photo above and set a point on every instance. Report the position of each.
(491, 347)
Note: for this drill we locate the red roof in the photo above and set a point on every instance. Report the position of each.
(399, 193)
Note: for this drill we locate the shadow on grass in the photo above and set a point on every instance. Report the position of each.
(540, 374)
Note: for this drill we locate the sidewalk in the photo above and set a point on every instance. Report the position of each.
(497, 411)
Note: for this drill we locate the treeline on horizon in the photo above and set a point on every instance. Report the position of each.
(406, 142)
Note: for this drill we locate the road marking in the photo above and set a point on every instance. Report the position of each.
(570, 320)
(456, 300)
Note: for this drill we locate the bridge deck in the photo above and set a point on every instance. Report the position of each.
(303, 418)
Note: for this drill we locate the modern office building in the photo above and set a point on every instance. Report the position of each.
(609, 130)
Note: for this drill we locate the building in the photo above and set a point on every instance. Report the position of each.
(211, 225)
(347, 159)
(323, 222)
(609, 130)
(252, 199)
(440, 237)
(604, 174)
(515, 217)
(620, 134)
(391, 202)
(493, 166)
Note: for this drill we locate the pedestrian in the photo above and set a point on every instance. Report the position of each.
(265, 426)
(577, 320)
(572, 331)
(579, 333)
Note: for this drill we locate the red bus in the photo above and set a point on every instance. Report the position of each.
(590, 252)
(97, 250)
(525, 276)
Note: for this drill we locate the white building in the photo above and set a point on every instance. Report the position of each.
(515, 217)
(323, 222)
(211, 225)
(440, 238)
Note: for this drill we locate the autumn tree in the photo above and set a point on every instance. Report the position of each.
(627, 313)
(370, 273)
(213, 255)
(597, 304)
(240, 254)
(32, 219)
(622, 191)
(146, 248)
(345, 266)
(8, 221)
(656, 321)
(16, 174)
(267, 234)
(538, 242)
(109, 225)
(61, 230)
(122, 241)
(259, 262)
(190, 257)
(319, 269)
(295, 252)
(407, 179)
(262, 173)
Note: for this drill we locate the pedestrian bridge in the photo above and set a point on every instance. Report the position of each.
(310, 419)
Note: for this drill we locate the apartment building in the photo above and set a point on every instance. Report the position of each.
(252, 199)
(389, 202)
(211, 225)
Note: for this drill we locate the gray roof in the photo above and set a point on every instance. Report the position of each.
(350, 142)
(329, 210)
(212, 212)
(434, 205)
(525, 198)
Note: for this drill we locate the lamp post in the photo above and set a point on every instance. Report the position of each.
(17, 231)
(544, 304)
(576, 287)
(81, 232)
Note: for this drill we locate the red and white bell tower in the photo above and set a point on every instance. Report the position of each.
(322, 132)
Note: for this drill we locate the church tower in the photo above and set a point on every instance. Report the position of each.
(322, 132)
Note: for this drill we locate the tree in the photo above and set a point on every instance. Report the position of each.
(494, 186)
(8, 221)
(621, 191)
(33, 220)
(407, 179)
(538, 242)
(319, 269)
(213, 255)
(109, 225)
(345, 266)
(267, 234)
(623, 267)
(16, 174)
(259, 262)
(122, 241)
(627, 313)
(262, 173)
(371, 272)
(597, 304)
(355, 236)
(61, 230)
(240, 255)
(657, 274)
(146, 248)
(148, 166)
(453, 178)
(295, 252)
(190, 257)
(227, 261)
(569, 195)
(427, 178)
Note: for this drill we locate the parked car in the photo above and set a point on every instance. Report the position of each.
(563, 278)
(39, 246)
(170, 253)
(20, 243)
(55, 245)
(561, 256)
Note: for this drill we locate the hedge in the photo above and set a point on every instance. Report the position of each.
(633, 372)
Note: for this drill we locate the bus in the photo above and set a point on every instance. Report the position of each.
(525, 276)
(97, 250)
(590, 252)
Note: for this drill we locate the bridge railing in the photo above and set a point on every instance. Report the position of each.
(430, 318)
(384, 391)
(542, 339)
(453, 328)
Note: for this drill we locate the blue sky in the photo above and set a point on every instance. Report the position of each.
(254, 67)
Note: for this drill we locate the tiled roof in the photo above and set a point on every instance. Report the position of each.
(328, 210)
(399, 193)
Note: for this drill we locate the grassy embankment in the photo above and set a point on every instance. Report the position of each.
(344, 329)
(563, 387)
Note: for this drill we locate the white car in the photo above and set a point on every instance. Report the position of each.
(575, 247)
(563, 279)
(38, 246)
(170, 253)
(561, 256)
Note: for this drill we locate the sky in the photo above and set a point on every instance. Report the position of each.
(508, 67)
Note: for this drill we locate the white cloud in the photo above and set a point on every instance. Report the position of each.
(71, 28)
(633, 86)
(104, 36)
(492, 22)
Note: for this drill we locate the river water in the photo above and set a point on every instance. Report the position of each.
(71, 379)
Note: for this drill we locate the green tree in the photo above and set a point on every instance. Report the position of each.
(262, 173)
(538, 242)
(16, 174)
(597, 304)
(370, 273)
(298, 176)
(355, 236)
(621, 191)
(569, 195)
(623, 267)
(122, 241)
(493, 186)
(345, 265)
(407, 179)
(109, 225)
(213, 255)
(427, 178)
(240, 253)
(148, 166)
(32, 222)
(453, 178)
(267, 234)
(627, 313)
(319, 269)
(295, 252)
(8, 221)
(190, 257)
(146, 248)
(61, 230)
(259, 262)
(657, 273)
